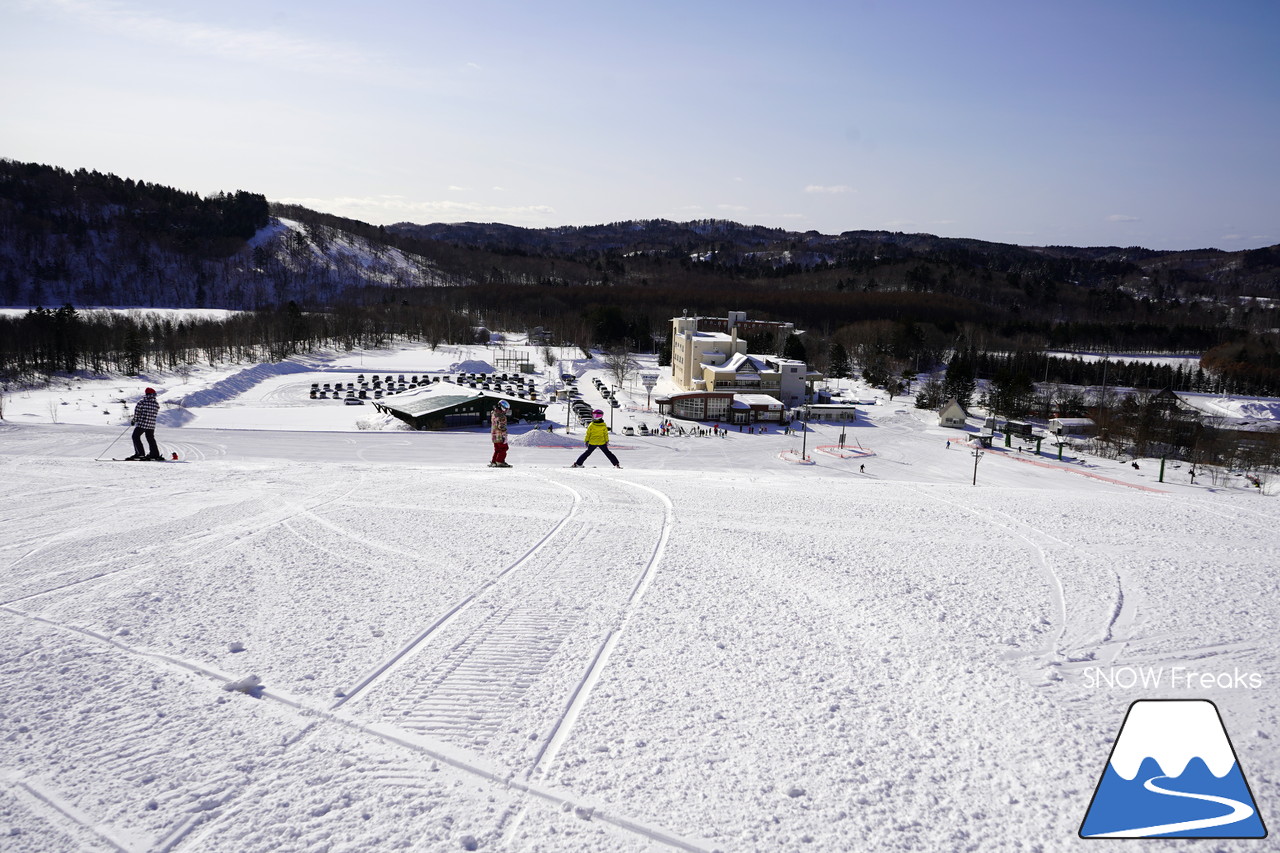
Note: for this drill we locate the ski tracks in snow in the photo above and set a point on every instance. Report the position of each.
(1082, 633)
(507, 670)
(494, 685)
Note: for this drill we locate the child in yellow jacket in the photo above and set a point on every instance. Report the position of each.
(597, 437)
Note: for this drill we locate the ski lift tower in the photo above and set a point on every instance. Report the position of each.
(514, 360)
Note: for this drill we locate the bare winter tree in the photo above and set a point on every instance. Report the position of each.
(619, 364)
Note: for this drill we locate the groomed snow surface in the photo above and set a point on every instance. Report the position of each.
(322, 635)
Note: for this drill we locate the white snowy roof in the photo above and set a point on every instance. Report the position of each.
(443, 395)
(758, 400)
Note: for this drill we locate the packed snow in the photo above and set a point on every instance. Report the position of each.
(317, 630)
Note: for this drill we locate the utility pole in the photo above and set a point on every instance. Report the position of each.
(977, 456)
(804, 435)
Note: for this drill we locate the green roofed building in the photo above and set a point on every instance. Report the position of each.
(444, 406)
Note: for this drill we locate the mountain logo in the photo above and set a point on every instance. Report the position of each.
(1172, 773)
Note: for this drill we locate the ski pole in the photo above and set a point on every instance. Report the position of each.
(113, 441)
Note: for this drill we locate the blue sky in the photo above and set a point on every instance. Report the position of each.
(1081, 123)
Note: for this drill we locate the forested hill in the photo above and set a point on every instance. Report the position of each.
(89, 238)
(86, 238)
(746, 251)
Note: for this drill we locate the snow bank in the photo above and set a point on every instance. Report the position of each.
(543, 438)
(471, 366)
(240, 382)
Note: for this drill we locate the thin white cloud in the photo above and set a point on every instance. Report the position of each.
(1121, 217)
(457, 189)
(732, 208)
(393, 208)
(248, 45)
(828, 190)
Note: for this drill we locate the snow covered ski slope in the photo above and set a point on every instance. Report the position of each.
(713, 649)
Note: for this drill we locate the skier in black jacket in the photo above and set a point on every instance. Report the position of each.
(144, 423)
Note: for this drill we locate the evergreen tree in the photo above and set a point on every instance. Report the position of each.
(1012, 393)
(794, 348)
(961, 381)
(838, 367)
(930, 395)
(877, 370)
(664, 351)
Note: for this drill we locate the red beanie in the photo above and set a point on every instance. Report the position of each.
(151, 391)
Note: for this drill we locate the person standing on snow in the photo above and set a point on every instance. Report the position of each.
(498, 432)
(597, 437)
(144, 423)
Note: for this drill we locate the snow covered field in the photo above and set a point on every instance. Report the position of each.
(308, 635)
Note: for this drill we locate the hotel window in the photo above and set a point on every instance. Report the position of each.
(717, 408)
(688, 407)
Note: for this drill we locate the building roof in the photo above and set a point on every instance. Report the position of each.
(757, 400)
(440, 396)
(741, 363)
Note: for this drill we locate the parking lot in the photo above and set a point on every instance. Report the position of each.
(375, 387)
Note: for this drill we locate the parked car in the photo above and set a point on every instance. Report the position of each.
(628, 431)
(644, 430)
(613, 402)
(354, 401)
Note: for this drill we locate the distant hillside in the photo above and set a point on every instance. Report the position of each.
(86, 238)
(89, 238)
(745, 251)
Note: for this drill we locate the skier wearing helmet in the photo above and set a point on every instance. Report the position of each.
(144, 424)
(597, 437)
(498, 432)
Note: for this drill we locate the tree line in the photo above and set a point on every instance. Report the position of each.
(44, 342)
